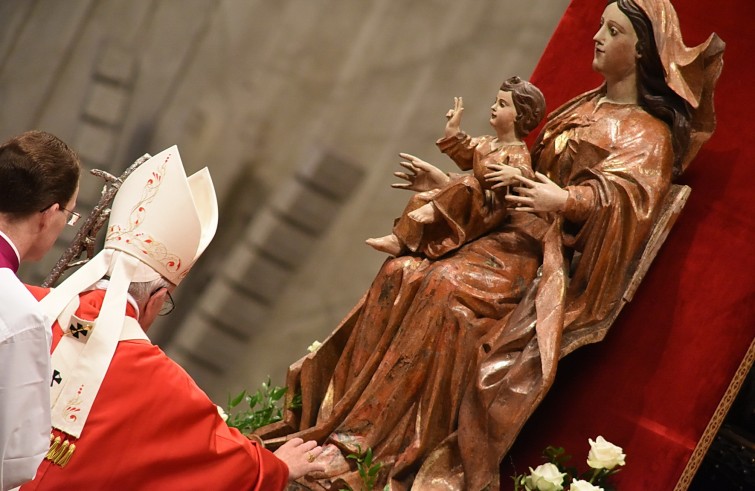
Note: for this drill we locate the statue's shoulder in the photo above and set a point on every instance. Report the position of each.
(645, 125)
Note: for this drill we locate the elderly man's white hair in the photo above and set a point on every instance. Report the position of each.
(142, 290)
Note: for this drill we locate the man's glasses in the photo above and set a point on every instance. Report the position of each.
(73, 217)
(168, 305)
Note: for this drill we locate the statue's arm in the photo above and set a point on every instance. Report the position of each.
(460, 147)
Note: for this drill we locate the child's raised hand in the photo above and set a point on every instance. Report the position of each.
(453, 115)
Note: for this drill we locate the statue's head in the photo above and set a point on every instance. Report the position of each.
(529, 103)
(675, 83)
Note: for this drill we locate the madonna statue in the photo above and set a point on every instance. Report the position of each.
(442, 362)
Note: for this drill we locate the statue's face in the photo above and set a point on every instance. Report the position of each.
(615, 45)
(503, 113)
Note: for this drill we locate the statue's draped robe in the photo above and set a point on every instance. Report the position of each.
(442, 362)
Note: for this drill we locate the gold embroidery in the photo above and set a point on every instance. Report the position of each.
(146, 244)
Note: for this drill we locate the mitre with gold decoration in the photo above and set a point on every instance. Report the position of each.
(161, 222)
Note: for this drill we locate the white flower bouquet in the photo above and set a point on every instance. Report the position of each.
(604, 460)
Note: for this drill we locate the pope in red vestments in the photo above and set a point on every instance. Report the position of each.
(124, 415)
(152, 427)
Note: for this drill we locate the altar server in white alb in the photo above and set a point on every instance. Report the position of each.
(39, 181)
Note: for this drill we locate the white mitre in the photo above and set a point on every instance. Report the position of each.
(162, 218)
(160, 223)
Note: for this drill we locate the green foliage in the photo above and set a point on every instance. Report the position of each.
(249, 411)
(368, 470)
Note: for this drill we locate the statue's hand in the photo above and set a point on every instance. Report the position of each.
(422, 175)
(540, 195)
(453, 125)
(502, 175)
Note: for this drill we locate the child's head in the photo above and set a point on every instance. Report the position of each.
(529, 103)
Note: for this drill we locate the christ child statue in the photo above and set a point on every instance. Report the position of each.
(461, 208)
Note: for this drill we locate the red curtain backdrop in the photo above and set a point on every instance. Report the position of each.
(654, 383)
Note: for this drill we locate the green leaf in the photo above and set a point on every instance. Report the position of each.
(264, 407)
(236, 400)
(253, 400)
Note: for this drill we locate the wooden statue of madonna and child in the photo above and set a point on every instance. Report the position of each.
(496, 275)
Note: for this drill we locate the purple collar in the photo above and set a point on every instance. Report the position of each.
(8, 258)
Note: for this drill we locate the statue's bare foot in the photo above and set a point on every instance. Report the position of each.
(424, 214)
(388, 244)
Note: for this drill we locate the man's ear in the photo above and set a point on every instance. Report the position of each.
(46, 216)
(155, 303)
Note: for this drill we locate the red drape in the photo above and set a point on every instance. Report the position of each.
(654, 384)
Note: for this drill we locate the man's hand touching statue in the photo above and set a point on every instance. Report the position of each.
(300, 457)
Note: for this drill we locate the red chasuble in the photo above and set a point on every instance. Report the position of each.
(152, 427)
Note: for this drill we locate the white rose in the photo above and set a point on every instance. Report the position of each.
(580, 485)
(604, 454)
(544, 478)
(314, 346)
(222, 413)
